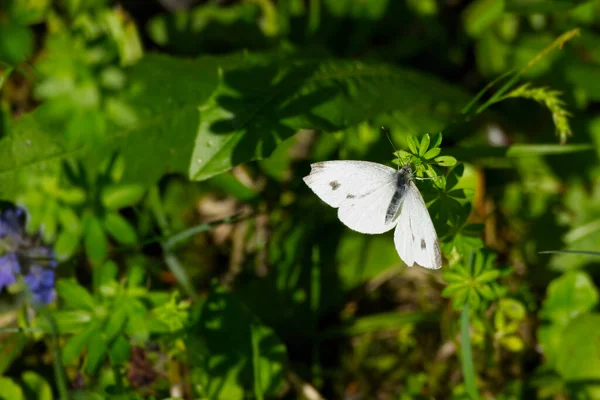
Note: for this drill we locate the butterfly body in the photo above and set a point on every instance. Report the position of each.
(372, 198)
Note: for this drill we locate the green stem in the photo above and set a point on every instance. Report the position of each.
(315, 301)
(466, 354)
(59, 372)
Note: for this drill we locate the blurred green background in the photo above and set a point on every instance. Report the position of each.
(158, 147)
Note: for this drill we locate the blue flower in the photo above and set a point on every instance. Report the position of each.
(41, 283)
(9, 267)
(21, 252)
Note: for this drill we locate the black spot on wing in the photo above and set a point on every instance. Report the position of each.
(334, 185)
(423, 244)
(350, 196)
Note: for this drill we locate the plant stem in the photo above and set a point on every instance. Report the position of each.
(466, 355)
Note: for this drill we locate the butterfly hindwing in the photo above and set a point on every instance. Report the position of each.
(361, 190)
(415, 237)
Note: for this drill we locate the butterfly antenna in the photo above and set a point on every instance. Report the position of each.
(387, 134)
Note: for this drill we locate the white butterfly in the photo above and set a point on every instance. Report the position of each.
(372, 198)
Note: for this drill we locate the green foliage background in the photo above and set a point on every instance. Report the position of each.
(159, 147)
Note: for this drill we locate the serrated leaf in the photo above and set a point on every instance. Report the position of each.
(259, 105)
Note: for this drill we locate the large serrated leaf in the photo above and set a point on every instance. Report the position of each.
(258, 106)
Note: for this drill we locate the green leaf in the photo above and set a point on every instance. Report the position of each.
(452, 289)
(432, 153)
(69, 220)
(115, 197)
(568, 296)
(436, 140)
(5, 74)
(96, 352)
(104, 278)
(512, 343)
(459, 275)
(119, 350)
(231, 185)
(445, 161)
(412, 144)
(66, 244)
(67, 321)
(116, 322)
(246, 119)
(424, 145)
(73, 348)
(228, 335)
(119, 228)
(36, 387)
(488, 276)
(481, 14)
(75, 295)
(94, 239)
(577, 358)
(11, 347)
(10, 390)
(16, 41)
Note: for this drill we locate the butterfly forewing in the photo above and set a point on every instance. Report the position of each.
(361, 190)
